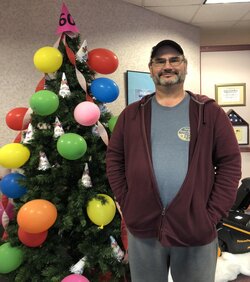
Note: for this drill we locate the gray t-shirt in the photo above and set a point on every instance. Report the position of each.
(170, 136)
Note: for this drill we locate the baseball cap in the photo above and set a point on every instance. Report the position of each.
(166, 43)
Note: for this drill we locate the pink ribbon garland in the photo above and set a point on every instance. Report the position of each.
(103, 133)
(4, 219)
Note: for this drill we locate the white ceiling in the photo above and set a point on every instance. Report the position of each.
(207, 17)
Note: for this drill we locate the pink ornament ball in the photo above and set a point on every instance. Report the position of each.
(87, 113)
(75, 278)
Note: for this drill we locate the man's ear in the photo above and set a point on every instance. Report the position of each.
(150, 67)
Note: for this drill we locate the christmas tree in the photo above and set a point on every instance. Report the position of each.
(57, 211)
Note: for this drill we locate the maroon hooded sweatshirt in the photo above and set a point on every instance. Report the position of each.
(209, 188)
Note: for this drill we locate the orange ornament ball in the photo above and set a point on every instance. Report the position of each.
(36, 216)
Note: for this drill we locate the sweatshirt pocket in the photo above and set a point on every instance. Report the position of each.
(188, 225)
(210, 220)
(140, 211)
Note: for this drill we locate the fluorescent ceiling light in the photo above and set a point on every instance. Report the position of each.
(225, 1)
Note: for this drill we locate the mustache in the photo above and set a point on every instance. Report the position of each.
(167, 72)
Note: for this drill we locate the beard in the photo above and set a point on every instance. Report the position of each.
(178, 78)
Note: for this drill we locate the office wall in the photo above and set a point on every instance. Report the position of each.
(227, 67)
(231, 36)
(127, 30)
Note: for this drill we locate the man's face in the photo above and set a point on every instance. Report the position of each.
(168, 67)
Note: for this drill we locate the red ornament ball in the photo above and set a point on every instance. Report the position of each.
(102, 61)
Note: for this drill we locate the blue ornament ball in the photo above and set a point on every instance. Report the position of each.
(10, 186)
(104, 89)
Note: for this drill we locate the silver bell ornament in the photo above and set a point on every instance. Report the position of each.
(86, 180)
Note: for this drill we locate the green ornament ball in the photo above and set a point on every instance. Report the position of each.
(44, 102)
(10, 257)
(71, 146)
(112, 122)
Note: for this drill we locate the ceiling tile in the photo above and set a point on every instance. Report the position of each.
(214, 24)
(245, 24)
(246, 17)
(220, 16)
(183, 13)
(165, 3)
(220, 13)
(135, 2)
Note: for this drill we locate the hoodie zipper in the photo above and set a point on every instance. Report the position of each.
(152, 173)
(161, 223)
(149, 158)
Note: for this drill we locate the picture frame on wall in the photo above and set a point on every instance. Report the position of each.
(242, 135)
(240, 127)
(233, 94)
(138, 84)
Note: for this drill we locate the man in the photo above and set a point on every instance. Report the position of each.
(173, 163)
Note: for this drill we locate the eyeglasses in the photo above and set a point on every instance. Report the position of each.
(173, 61)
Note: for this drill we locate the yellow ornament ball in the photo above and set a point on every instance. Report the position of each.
(48, 59)
(101, 213)
(14, 155)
